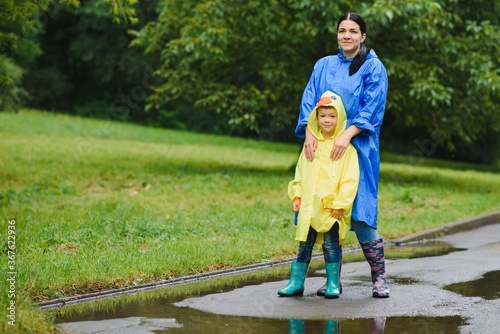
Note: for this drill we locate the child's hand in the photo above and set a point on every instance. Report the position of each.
(296, 204)
(337, 213)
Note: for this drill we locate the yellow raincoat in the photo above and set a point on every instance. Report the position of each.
(324, 184)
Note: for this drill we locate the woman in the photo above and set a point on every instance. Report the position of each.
(360, 78)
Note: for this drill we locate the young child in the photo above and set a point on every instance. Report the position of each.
(323, 192)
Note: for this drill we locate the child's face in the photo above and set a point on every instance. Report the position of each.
(327, 119)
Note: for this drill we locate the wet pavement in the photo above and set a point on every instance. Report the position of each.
(457, 292)
(425, 296)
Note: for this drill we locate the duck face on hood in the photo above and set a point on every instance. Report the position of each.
(328, 99)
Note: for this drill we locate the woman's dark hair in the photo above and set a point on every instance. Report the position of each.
(360, 58)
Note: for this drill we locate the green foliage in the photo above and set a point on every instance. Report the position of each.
(21, 23)
(87, 67)
(445, 80)
(243, 64)
(11, 93)
(121, 9)
(250, 60)
(18, 26)
(240, 58)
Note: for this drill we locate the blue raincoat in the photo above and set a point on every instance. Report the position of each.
(364, 95)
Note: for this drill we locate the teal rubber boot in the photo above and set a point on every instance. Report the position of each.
(321, 291)
(332, 280)
(295, 286)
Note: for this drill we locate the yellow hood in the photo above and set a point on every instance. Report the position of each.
(328, 99)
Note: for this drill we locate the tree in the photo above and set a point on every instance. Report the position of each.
(87, 64)
(21, 22)
(444, 71)
(244, 64)
(249, 60)
(246, 60)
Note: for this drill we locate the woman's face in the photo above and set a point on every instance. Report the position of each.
(349, 37)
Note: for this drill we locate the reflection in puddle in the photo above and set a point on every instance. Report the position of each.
(487, 287)
(391, 325)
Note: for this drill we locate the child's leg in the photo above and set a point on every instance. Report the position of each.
(331, 246)
(321, 291)
(333, 254)
(306, 247)
(298, 272)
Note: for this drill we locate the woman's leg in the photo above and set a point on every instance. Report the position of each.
(364, 233)
(372, 245)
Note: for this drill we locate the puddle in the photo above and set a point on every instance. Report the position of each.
(403, 280)
(420, 249)
(407, 251)
(203, 323)
(487, 287)
(154, 311)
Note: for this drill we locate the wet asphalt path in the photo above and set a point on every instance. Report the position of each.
(416, 289)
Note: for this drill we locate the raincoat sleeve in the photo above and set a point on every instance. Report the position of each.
(348, 185)
(295, 186)
(372, 105)
(307, 104)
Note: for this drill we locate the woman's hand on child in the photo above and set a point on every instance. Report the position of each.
(341, 142)
(339, 146)
(310, 145)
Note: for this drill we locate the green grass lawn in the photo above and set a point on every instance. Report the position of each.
(101, 205)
